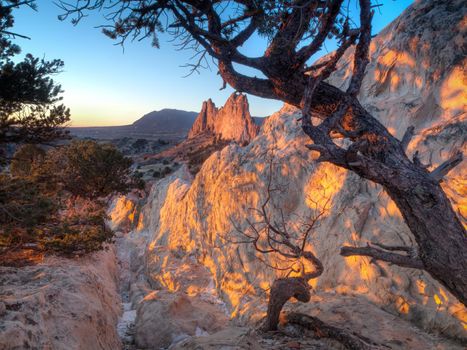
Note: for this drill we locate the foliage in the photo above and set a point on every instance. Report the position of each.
(29, 109)
(91, 170)
(23, 204)
(54, 199)
(49, 199)
(26, 160)
(81, 232)
(140, 145)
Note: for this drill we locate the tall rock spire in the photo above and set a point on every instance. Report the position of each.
(231, 122)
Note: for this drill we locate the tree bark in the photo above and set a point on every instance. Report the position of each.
(282, 290)
(440, 236)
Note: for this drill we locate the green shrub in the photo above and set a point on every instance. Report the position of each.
(78, 237)
(75, 179)
(90, 170)
(26, 160)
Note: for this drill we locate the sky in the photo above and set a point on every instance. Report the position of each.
(105, 84)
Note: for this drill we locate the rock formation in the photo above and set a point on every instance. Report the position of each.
(415, 77)
(183, 278)
(231, 122)
(61, 304)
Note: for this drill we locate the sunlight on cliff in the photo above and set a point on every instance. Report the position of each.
(402, 58)
(325, 183)
(453, 93)
(195, 220)
(391, 210)
(123, 211)
(387, 78)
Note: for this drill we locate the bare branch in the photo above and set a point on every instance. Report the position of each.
(349, 339)
(379, 254)
(326, 25)
(443, 169)
(408, 135)
(394, 248)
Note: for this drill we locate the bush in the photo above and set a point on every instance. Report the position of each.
(26, 160)
(24, 206)
(23, 203)
(78, 176)
(90, 170)
(78, 234)
(140, 144)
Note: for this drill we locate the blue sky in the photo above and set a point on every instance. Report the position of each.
(106, 85)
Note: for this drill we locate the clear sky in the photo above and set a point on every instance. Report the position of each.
(106, 85)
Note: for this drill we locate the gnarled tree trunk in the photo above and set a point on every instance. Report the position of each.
(282, 290)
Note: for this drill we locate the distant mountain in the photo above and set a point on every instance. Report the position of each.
(166, 124)
(213, 129)
(166, 121)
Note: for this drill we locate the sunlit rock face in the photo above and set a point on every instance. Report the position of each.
(231, 122)
(61, 304)
(414, 78)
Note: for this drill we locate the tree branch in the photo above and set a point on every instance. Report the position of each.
(326, 24)
(349, 339)
(379, 254)
(408, 135)
(443, 169)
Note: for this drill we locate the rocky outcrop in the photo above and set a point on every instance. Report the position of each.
(205, 120)
(61, 304)
(231, 122)
(165, 318)
(415, 77)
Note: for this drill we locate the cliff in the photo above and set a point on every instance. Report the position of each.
(415, 77)
(231, 122)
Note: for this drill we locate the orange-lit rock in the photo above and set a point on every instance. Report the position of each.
(61, 304)
(409, 82)
(189, 222)
(231, 122)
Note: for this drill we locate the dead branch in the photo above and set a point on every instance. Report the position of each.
(287, 241)
(282, 290)
(416, 160)
(408, 135)
(443, 169)
(350, 340)
(384, 254)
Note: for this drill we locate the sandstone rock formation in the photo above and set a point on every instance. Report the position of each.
(415, 77)
(165, 318)
(60, 304)
(183, 278)
(231, 122)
